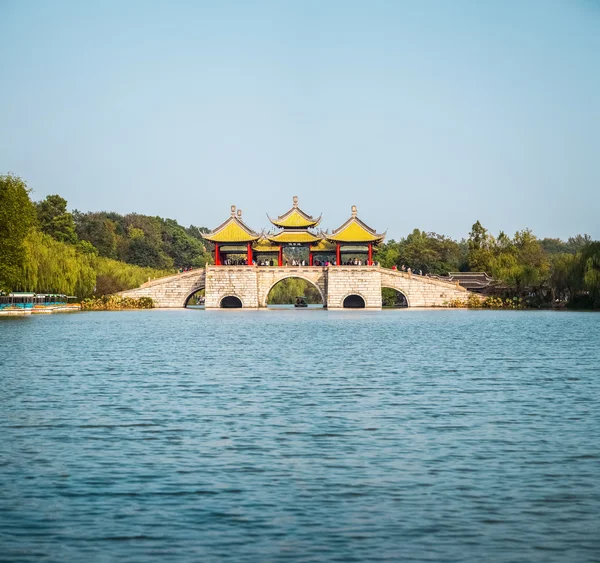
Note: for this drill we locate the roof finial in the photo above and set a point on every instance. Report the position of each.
(233, 210)
(295, 200)
(354, 211)
(239, 213)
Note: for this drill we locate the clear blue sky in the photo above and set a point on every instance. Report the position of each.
(428, 114)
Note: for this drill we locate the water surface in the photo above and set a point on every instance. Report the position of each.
(300, 435)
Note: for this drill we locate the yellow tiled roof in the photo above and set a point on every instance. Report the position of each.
(294, 236)
(323, 246)
(354, 230)
(232, 230)
(265, 245)
(294, 218)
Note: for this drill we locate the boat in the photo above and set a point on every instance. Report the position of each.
(300, 301)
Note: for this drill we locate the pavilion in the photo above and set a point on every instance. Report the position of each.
(234, 238)
(295, 230)
(354, 237)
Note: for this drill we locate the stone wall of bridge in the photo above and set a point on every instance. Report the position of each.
(421, 291)
(353, 280)
(267, 277)
(170, 291)
(231, 281)
(251, 285)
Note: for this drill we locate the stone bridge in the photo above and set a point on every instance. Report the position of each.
(250, 285)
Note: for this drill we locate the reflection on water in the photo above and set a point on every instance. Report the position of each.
(278, 435)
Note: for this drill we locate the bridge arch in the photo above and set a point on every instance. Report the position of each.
(191, 294)
(297, 276)
(230, 302)
(354, 300)
(403, 293)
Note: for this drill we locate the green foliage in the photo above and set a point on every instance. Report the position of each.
(55, 220)
(590, 264)
(474, 301)
(572, 246)
(479, 244)
(392, 298)
(116, 303)
(53, 266)
(113, 276)
(142, 240)
(286, 291)
(17, 216)
(565, 275)
(98, 230)
(520, 262)
(430, 252)
(57, 267)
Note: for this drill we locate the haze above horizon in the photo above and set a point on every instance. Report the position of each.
(427, 115)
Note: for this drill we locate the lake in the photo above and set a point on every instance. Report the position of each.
(300, 435)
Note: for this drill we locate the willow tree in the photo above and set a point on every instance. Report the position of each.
(17, 216)
(54, 266)
(590, 260)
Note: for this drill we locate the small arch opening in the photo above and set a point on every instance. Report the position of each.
(196, 300)
(354, 302)
(231, 302)
(393, 299)
(294, 292)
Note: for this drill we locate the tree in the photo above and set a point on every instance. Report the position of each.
(98, 230)
(590, 261)
(17, 216)
(578, 242)
(480, 245)
(54, 220)
(287, 290)
(54, 266)
(565, 276)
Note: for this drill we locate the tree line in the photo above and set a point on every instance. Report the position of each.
(45, 248)
(544, 271)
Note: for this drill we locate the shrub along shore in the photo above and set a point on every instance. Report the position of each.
(116, 303)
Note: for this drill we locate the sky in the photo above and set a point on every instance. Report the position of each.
(424, 114)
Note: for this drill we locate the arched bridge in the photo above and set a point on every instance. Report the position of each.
(251, 285)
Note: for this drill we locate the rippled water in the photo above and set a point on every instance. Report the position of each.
(300, 435)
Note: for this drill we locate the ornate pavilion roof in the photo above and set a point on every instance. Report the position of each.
(232, 230)
(263, 244)
(294, 235)
(323, 246)
(354, 230)
(295, 218)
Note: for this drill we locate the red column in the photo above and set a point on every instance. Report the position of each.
(217, 255)
(338, 255)
(310, 258)
(280, 257)
(249, 254)
(370, 254)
